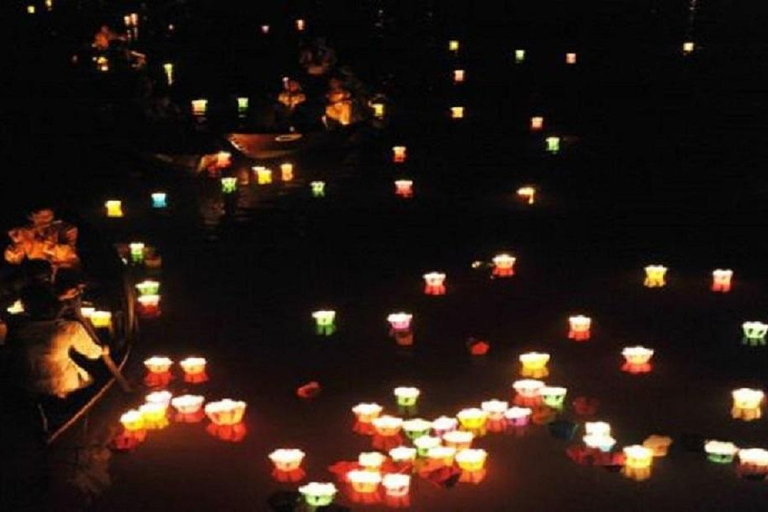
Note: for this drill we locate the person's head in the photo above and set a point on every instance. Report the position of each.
(41, 216)
(294, 86)
(39, 302)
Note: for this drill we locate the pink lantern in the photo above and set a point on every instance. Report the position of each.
(721, 280)
(400, 321)
(458, 76)
(435, 283)
(404, 188)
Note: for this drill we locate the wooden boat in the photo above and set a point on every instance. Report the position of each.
(275, 145)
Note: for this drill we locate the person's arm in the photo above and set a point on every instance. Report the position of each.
(82, 341)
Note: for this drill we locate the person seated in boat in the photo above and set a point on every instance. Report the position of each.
(44, 238)
(104, 38)
(290, 104)
(318, 59)
(339, 106)
(41, 347)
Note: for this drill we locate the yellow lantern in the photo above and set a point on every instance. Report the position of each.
(637, 462)
(471, 460)
(263, 175)
(457, 112)
(655, 276)
(472, 419)
(168, 69)
(132, 421)
(154, 415)
(114, 208)
(378, 110)
(101, 319)
(453, 46)
(199, 107)
(747, 404)
(534, 364)
(399, 154)
(688, 47)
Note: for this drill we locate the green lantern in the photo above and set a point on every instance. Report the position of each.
(318, 188)
(519, 56)
(228, 184)
(553, 144)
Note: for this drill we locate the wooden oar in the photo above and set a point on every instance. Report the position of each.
(108, 362)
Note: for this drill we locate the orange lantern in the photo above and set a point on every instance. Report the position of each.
(286, 171)
(435, 283)
(441, 456)
(149, 306)
(194, 370)
(747, 404)
(528, 392)
(158, 371)
(365, 414)
(537, 124)
(458, 439)
(364, 482)
(458, 76)
(399, 154)
(570, 58)
(721, 280)
(504, 265)
(387, 425)
(527, 194)
(637, 359)
(287, 463)
(753, 462)
(199, 107)
(637, 462)
(534, 364)
(134, 431)
(404, 188)
(579, 327)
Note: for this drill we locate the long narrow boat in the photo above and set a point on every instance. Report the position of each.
(275, 145)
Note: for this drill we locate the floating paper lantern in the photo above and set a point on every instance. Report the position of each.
(396, 485)
(30, 9)
(527, 392)
(472, 419)
(553, 396)
(441, 455)
(570, 58)
(519, 56)
(597, 428)
(659, 445)
(754, 333)
(286, 171)
(453, 45)
(404, 188)
(753, 461)
(300, 25)
(102, 64)
(407, 396)
(265, 29)
(287, 459)
(324, 322)
(199, 107)
(228, 184)
(148, 287)
(114, 208)
(154, 415)
(366, 413)
(242, 105)
(457, 112)
(518, 416)
(263, 175)
(553, 144)
(188, 404)
(720, 452)
(495, 409)
(504, 265)
(371, 461)
(637, 359)
(158, 364)
(364, 482)
(137, 252)
(434, 283)
(168, 69)
(101, 319)
(747, 404)
(225, 412)
(424, 443)
(688, 47)
(223, 159)
(458, 76)
(416, 428)
(721, 280)
(537, 124)
(149, 305)
(399, 154)
(318, 188)
(194, 370)
(402, 454)
(318, 494)
(458, 439)
(387, 426)
(159, 200)
(637, 462)
(579, 327)
(471, 459)
(655, 276)
(400, 321)
(443, 425)
(378, 110)
(132, 421)
(602, 442)
(534, 364)
(159, 397)
(527, 194)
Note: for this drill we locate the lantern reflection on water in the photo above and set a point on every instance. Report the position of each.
(228, 184)
(434, 283)
(159, 200)
(194, 370)
(747, 404)
(721, 280)
(416, 428)
(579, 327)
(503, 265)
(318, 494)
(404, 188)
(114, 208)
(534, 364)
(637, 462)
(637, 359)
(753, 462)
(286, 171)
(655, 276)
(318, 188)
(720, 452)
(399, 154)
(424, 443)
(537, 124)
(407, 396)
(527, 193)
(324, 322)
(199, 107)
(754, 333)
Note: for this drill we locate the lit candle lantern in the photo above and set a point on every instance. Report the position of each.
(519, 56)
(86, 311)
(597, 428)
(265, 29)
(527, 392)
(453, 46)
(471, 460)
(318, 494)
(518, 416)
(637, 462)
(287, 460)
(396, 485)
(242, 105)
(579, 327)
(504, 265)
(378, 110)
(286, 171)
(114, 208)
(534, 364)
(366, 413)
(537, 124)
(300, 25)
(721, 280)
(101, 319)
(102, 64)
(371, 461)
(753, 461)
(159, 200)
(223, 159)
(154, 415)
(263, 175)
(688, 47)
(442, 455)
(527, 193)
(399, 154)
(149, 305)
(137, 252)
(553, 144)
(553, 396)
(188, 404)
(148, 287)
(754, 333)
(407, 396)
(458, 75)
(424, 443)
(443, 425)
(747, 404)
(570, 58)
(472, 419)
(364, 482)
(199, 107)
(637, 359)
(228, 184)
(602, 442)
(495, 409)
(720, 452)
(400, 321)
(132, 421)
(402, 454)
(416, 428)
(318, 188)
(404, 188)
(30, 9)
(458, 439)
(387, 426)
(194, 370)
(434, 283)
(168, 69)
(325, 322)
(457, 112)
(655, 276)
(225, 412)
(158, 364)
(159, 397)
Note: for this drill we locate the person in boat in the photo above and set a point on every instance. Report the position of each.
(339, 107)
(290, 104)
(44, 238)
(42, 347)
(104, 38)
(318, 59)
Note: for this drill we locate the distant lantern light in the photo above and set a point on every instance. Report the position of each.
(168, 70)
(472, 419)
(747, 404)
(148, 287)
(553, 144)
(242, 105)
(637, 462)
(453, 46)
(553, 396)
(378, 110)
(688, 47)
(263, 175)
(537, 124)
(458, 76)
(720, 452)
(318, 188)
(265, 29)
(225, 412)
(325, 322)
(199, 107)
(534, 364)
(387, 426)
(371, 461)
(404, 188)
(637, 359)
(527, 194)
(317, 494)
(300, 25)
(457, 112)
(114, 208)
(753, 462)
(407, 396)
(519, 56)
(399, 154)
(228, 184)
(17, 308)
(579, 327)
(443, 425)
(503, 265)
(721, 280)
(518, 416)
(149, 306)
(396, 485)
(754, 333)
(159, 200)
(659, 445)
(137, 252)
(424, 443)
(655, 276)
(602, 442)
(416, 428)
(458, 439)
(30, 9)
(400, 321)
(286, 171)
(434, 283)
(570, 58)
(194, 370)
(223, 159)
(188, 404)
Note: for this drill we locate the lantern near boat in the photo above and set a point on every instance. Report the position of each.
(399, 154)
(194, 370)
(753, 462)
(518, 416)
(149, 306)
(519, 56)
(424, 443)
(503, 265)
(286, 171)
(747, 404)
(570, 58)
(434, 283)
(659, 445)
(579, 327)
(407, 396)
(527, 194)
(443, 425)
(325, 322)
(137, 252)
(553, 144)
(720, 452)
(223, 159)
(402, 454)
(721, 280)
(527, 392)
(318, 188)
(199, 107)
(101, 319)
(114, 208)
(537, 124)
(637, 360)
(168, 69)
(457, 112)
(553, 396)
(637, 462)
(263, 175)
(228, 184)
(148, 287)
(534, 364)
(655, 276)
(404, 188)
(416, 428)
(317, 494)
(688, 47)
(754, 333)
(458, 439)
(159, 200)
